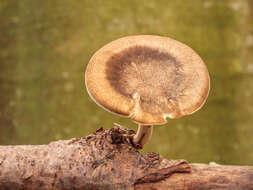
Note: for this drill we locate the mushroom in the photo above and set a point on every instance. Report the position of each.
(147, 78)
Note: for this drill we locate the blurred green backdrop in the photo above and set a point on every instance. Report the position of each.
(46, 45)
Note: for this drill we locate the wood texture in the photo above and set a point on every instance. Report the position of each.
(107, 160)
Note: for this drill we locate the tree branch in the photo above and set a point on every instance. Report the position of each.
(108, 160)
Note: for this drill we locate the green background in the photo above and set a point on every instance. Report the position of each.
(46, 45)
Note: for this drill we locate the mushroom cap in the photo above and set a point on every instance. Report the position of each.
(147, 78)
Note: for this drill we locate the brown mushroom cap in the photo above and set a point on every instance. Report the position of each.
(147, 78)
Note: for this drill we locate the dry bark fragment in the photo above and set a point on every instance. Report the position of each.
(107, 160)
(104, 160)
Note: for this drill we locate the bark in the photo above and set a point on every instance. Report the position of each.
(108, 160)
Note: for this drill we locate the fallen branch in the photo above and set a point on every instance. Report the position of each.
(107, 160)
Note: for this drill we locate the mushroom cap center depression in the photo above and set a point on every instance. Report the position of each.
(152, 75)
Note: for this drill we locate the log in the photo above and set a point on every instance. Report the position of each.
(107, 160)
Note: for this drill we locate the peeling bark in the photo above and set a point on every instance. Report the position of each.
(108, 160)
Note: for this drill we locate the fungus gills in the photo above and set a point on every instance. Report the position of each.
(153, 74)
(148, 79)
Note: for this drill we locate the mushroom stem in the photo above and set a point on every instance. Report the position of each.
(143, 134)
